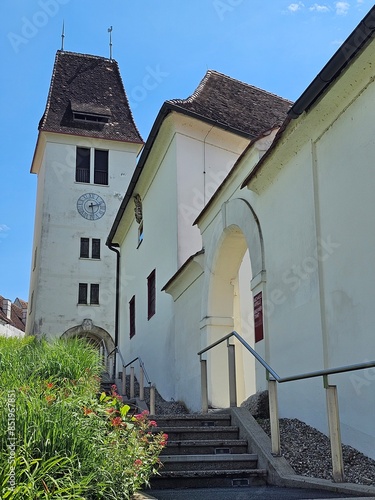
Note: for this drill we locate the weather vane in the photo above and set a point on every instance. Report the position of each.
(62, 36)
(110, 42)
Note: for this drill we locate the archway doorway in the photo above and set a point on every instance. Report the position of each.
(234, 275)
(97, 337)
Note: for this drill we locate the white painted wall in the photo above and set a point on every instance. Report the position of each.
(154, 338)
(10, 331)
(58, 229)
(171, 187)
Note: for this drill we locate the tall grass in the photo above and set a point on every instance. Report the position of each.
(58, 439)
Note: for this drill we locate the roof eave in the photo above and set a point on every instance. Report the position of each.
(342, 58)
(355, 42)
(166, 108)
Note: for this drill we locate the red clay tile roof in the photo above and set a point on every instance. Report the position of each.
(15, 316)
(235, 105)
(84, 82)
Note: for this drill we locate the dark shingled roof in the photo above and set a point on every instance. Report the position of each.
(235, 105)
(88, 84)
(15, 315)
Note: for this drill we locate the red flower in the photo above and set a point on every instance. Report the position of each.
(153, 423)
(165, 439)
(138, 462)
(116, 422)
(50, 385)
(87, 411)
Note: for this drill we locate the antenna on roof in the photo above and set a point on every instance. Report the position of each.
(110, 42)
(62, 36)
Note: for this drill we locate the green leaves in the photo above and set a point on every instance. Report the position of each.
(69, 441)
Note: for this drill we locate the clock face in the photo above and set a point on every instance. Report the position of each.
(91, 206)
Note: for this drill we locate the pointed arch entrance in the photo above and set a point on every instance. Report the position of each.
(95, 335)
(234, 274)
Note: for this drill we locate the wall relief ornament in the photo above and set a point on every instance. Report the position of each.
(87, 325)
(138, 208)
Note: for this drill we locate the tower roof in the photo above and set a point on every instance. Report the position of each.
(87, 97)
(236, 105)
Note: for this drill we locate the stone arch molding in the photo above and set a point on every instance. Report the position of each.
(235, 214)
(90, 331)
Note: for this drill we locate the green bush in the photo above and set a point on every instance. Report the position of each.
(58, 438)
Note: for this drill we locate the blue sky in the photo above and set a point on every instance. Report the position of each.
(277, 45)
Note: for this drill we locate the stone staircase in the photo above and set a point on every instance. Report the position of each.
(205, 451)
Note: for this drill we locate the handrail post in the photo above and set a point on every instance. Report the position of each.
(232, 375)
(131, 382)
(152, 400)
(204, 388)
(334, 432)
(141, 384)
(274, 417)
(123, 381)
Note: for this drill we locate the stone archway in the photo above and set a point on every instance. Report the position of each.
(233, 256)
(96, 335)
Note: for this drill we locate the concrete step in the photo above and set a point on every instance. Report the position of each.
(196, 433)
(200, 420)
(205, 447)
(209, 462)
(209, 478)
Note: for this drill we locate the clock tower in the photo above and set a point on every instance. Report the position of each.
(84, 158)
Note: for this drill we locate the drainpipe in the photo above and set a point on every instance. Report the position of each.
(114, 247)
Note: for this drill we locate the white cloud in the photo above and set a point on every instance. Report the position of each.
(293, 7)
(342, 8)
(319, 8)
(3, 230)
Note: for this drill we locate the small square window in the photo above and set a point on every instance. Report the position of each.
(101, 167)
(94, 294)
(151, 294)
(95, 249)
(82, 293)
(84, 248)
(140, 233)
(132, 317)
(83, 165)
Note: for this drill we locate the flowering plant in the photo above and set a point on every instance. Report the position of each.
(60, 438)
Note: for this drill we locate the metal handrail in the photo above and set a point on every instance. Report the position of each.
(271, 371)
(142, 365)
(143, 374)
(331, 396)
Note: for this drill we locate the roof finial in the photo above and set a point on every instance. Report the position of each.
(62, 36)
(110, 42)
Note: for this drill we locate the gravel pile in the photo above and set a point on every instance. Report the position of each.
(163, 407)
(309, 453)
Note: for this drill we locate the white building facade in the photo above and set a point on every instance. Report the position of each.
(286, 255)
(84, 158)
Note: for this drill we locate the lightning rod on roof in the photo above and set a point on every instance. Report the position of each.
(62, 36)
(110, 42)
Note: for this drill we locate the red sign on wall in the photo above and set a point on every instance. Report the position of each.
(258, 317)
